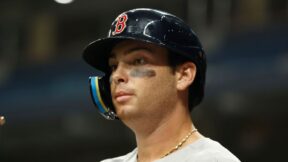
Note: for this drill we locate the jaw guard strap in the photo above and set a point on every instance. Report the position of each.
(101, 97)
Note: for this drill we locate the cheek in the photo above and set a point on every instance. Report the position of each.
(156, 82)
(157, 92)
(142, 72)
(138, 73)
(145, 79)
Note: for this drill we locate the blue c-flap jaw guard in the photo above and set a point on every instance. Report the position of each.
(101, 96)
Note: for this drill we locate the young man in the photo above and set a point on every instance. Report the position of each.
(154, 69)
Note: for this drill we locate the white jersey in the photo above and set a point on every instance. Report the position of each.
(202, 150)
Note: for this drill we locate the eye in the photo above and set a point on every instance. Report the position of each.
(112, 63)
(113, 67)
(139, 61)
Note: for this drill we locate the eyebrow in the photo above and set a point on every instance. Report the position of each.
(133, 49)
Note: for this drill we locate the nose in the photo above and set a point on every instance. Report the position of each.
(119, 75)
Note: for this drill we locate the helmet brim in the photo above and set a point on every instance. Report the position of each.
(97, 52)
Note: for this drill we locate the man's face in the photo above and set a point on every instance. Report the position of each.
(142, 82)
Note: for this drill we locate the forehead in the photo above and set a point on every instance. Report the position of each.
(129, 46)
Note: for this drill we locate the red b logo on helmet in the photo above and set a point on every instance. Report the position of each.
(121, 24)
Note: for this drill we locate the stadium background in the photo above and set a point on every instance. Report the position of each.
(44, 91)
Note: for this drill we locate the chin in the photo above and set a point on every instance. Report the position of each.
(126, 112)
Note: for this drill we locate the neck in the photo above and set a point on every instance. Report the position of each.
(155, 140)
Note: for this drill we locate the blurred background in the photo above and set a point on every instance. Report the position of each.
(44, 91)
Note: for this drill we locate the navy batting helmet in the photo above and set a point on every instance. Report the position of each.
(151, 26)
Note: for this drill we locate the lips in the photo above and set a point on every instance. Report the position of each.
(122, 96)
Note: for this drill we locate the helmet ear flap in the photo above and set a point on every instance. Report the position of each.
(101, 97)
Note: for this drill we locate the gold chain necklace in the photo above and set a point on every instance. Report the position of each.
(181, 143)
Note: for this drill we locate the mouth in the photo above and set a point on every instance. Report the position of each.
(122, 96)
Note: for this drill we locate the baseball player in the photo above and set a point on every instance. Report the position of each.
(154, 68)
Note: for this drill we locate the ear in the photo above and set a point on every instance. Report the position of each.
(185, 74)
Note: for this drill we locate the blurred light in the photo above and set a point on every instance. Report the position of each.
(2, 120)
(64, 1)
